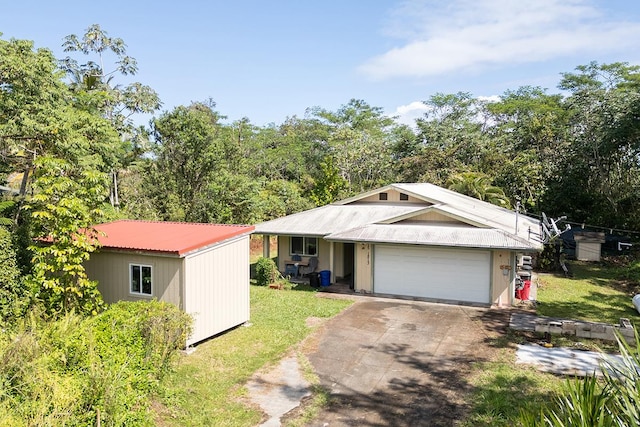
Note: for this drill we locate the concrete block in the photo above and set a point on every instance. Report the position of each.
(555, 327)
(583, 334)
(598, 328)
(569, 327)
(604, 335)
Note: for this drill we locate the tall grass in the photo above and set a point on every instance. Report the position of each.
(84, 371)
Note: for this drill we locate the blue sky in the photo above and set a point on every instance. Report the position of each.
(269, 60)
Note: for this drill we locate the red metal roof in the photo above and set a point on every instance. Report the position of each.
(167, 237)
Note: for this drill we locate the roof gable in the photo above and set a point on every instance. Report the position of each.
(177, 238)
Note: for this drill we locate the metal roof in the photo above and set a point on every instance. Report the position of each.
(433, 235)
(353, 219)
(177, 238)
(333, 218)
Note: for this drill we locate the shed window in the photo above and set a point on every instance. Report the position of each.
(304, 245)
(140, 279)
(404, 196)
(383, 196)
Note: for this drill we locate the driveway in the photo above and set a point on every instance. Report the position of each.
(401, 363)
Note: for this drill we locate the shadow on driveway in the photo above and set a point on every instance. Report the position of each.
(400, 363)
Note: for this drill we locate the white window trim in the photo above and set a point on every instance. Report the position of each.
(304, 245)
(140, 294)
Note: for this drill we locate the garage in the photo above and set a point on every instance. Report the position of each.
(428, 272)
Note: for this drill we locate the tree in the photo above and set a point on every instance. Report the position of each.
(95, 90)
(599, 179)
(66, 204)
(189, 152)
(530, 131)
(32, 95)
(479, 186)
(359, 143)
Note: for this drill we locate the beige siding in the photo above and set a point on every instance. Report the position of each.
(501, 293)
(217, 295)
(393, 196)
(588, 251)
(363, 267)
(284, 253)
(111, 270)
(432, 216)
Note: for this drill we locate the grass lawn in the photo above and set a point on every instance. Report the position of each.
(502, 389)
(207, 389)
(596, 293)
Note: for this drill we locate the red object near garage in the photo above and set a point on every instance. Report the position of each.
(524, 293)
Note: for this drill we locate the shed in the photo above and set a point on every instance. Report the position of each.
(588, 245)
(201, 268)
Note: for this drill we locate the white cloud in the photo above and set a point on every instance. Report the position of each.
(443, 37)
(407, 114)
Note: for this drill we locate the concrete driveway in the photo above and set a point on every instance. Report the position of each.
(401, 363)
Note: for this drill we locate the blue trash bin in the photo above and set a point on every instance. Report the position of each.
(325, 278)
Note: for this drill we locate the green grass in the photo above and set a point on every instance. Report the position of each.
(503, 389)
(207, 387)
(595, 293)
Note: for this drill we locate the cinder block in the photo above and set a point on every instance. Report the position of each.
(583, 333)
(598, 328)
(569, 327)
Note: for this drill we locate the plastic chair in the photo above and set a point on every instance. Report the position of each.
(291, 270)
(313, 264)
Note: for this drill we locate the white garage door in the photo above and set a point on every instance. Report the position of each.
(451, 274)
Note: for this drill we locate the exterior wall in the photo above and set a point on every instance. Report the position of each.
(501, 293)
(284, 253)
(363, 268)
(433, 217)
(338, 261)
(217, 292)
(393, 196)
(111, 270)
(588, 251)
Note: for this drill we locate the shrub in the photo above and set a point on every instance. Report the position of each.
(266, 271)
(76, 370)
(13, 297)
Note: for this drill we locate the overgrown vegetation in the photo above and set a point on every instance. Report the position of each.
(88, 370)
(607, 402)
(206, 387)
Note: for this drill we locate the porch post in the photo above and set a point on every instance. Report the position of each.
(331, 263)
(266, 247)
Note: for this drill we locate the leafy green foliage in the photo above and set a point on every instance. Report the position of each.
(586, 402)
(266, 271)
(67, 203)
(13, 297)
(479, 186)
(88, 371)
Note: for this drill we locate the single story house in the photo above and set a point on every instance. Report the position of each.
(201, 268)
(412, 240)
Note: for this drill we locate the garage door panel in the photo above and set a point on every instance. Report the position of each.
(450, 274)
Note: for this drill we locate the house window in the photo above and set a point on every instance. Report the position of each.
(404, 196)
(382, 196)
(140, 279)
(304, 245)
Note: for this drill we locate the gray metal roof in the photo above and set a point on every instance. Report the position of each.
(356, 220)
(332, 218)
(433, 235)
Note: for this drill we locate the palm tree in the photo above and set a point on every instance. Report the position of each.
(479, 186)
